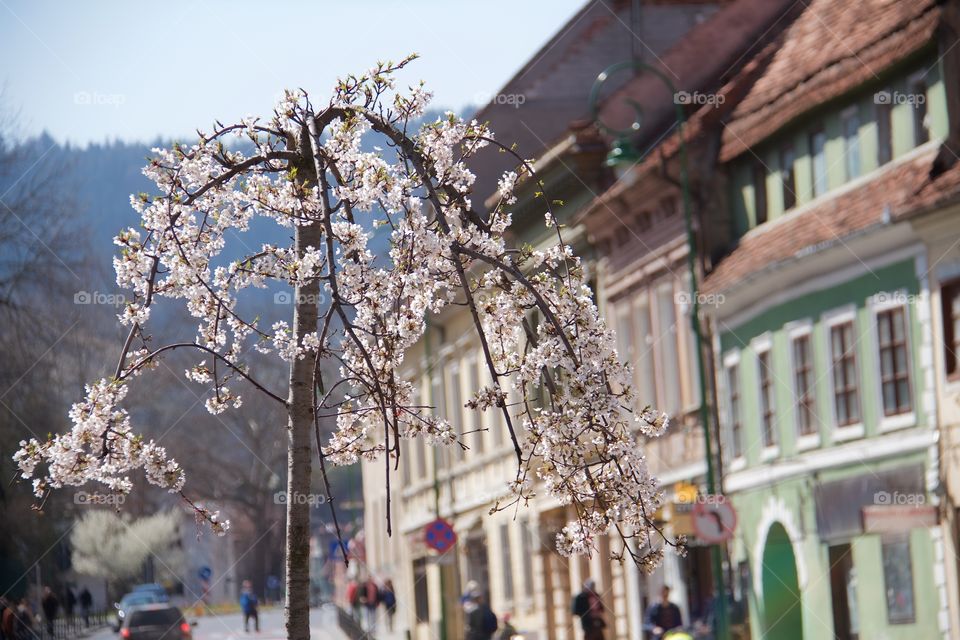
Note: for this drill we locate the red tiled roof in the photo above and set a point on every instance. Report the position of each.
(555, 83)
(831, 48)
(700, 61)
(900, 191)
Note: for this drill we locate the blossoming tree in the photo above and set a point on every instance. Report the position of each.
(307, 172)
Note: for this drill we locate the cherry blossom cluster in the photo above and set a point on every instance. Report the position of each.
(575, 427)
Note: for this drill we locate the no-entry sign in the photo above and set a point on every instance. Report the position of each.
(439, 535)
(714, 519)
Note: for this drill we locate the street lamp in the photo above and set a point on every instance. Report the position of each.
(624, 152)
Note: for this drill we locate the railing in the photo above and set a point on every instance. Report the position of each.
(70, 627)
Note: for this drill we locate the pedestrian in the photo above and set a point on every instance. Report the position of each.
(388, 596)
(50, 604)
(589, 607)
(508, 630)
(369, 599)
(8, 616)
(248, 605)
(662, 616)
(481, 621)
(86, 603)
(353, 599)
(23, 625)
(69, 603)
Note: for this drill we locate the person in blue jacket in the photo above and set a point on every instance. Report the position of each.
(248, 604)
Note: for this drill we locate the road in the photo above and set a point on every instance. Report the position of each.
(323, 626)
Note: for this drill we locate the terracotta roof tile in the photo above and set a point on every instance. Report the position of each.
(831, 48)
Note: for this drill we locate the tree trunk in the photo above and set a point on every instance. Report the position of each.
(300, 429)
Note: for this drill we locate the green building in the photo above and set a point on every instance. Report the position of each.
(824, 331)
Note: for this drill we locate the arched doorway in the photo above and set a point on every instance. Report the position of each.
(782, 609)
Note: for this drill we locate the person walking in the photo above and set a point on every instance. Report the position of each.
(23, 625)
(481, 620)
(69, 603)
(86, 603)
(248, 604)
(369, 599)
(50, 605)
(8, 617)
(507, 631)
(388, 596)
(662, 616)
(589, 607)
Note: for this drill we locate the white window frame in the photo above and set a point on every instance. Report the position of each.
(644, 349)
(661, 334)
(763, 345)
(841, 315)
(878, 303)
(732, 359)
(794, 330)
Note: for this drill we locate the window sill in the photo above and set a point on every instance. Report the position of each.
(808, 441)
(738, 464)
(769, 453)
(897, 422)
(849, 432)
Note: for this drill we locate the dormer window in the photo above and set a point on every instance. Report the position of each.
(788, 177)
(884, 113)
(818, 155)
(918, 100)
(760, 193)
(851, 142)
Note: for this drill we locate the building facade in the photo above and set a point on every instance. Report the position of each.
(824, 343)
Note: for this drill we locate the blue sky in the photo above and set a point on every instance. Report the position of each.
(120, 69)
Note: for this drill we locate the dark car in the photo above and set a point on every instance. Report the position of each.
(134, 599)
(155, 622)
(153, 588)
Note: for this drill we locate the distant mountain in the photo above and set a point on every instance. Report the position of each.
(102, 176)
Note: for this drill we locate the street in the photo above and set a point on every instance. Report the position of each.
(323, 626)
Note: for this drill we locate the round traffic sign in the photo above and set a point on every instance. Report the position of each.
(714, 518)
(439, 535)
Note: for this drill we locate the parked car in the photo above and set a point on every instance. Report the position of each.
(159, 621)
(135, 599)
(152, 587)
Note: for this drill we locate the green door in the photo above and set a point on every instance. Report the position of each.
(782, 608)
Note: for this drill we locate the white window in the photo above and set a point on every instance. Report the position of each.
(804, 379)
(892, 341)
(666, 345)
(841, 335)
(475, 416)
(731, 367)
(643, 345)
(766, 394)
(456, 413)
